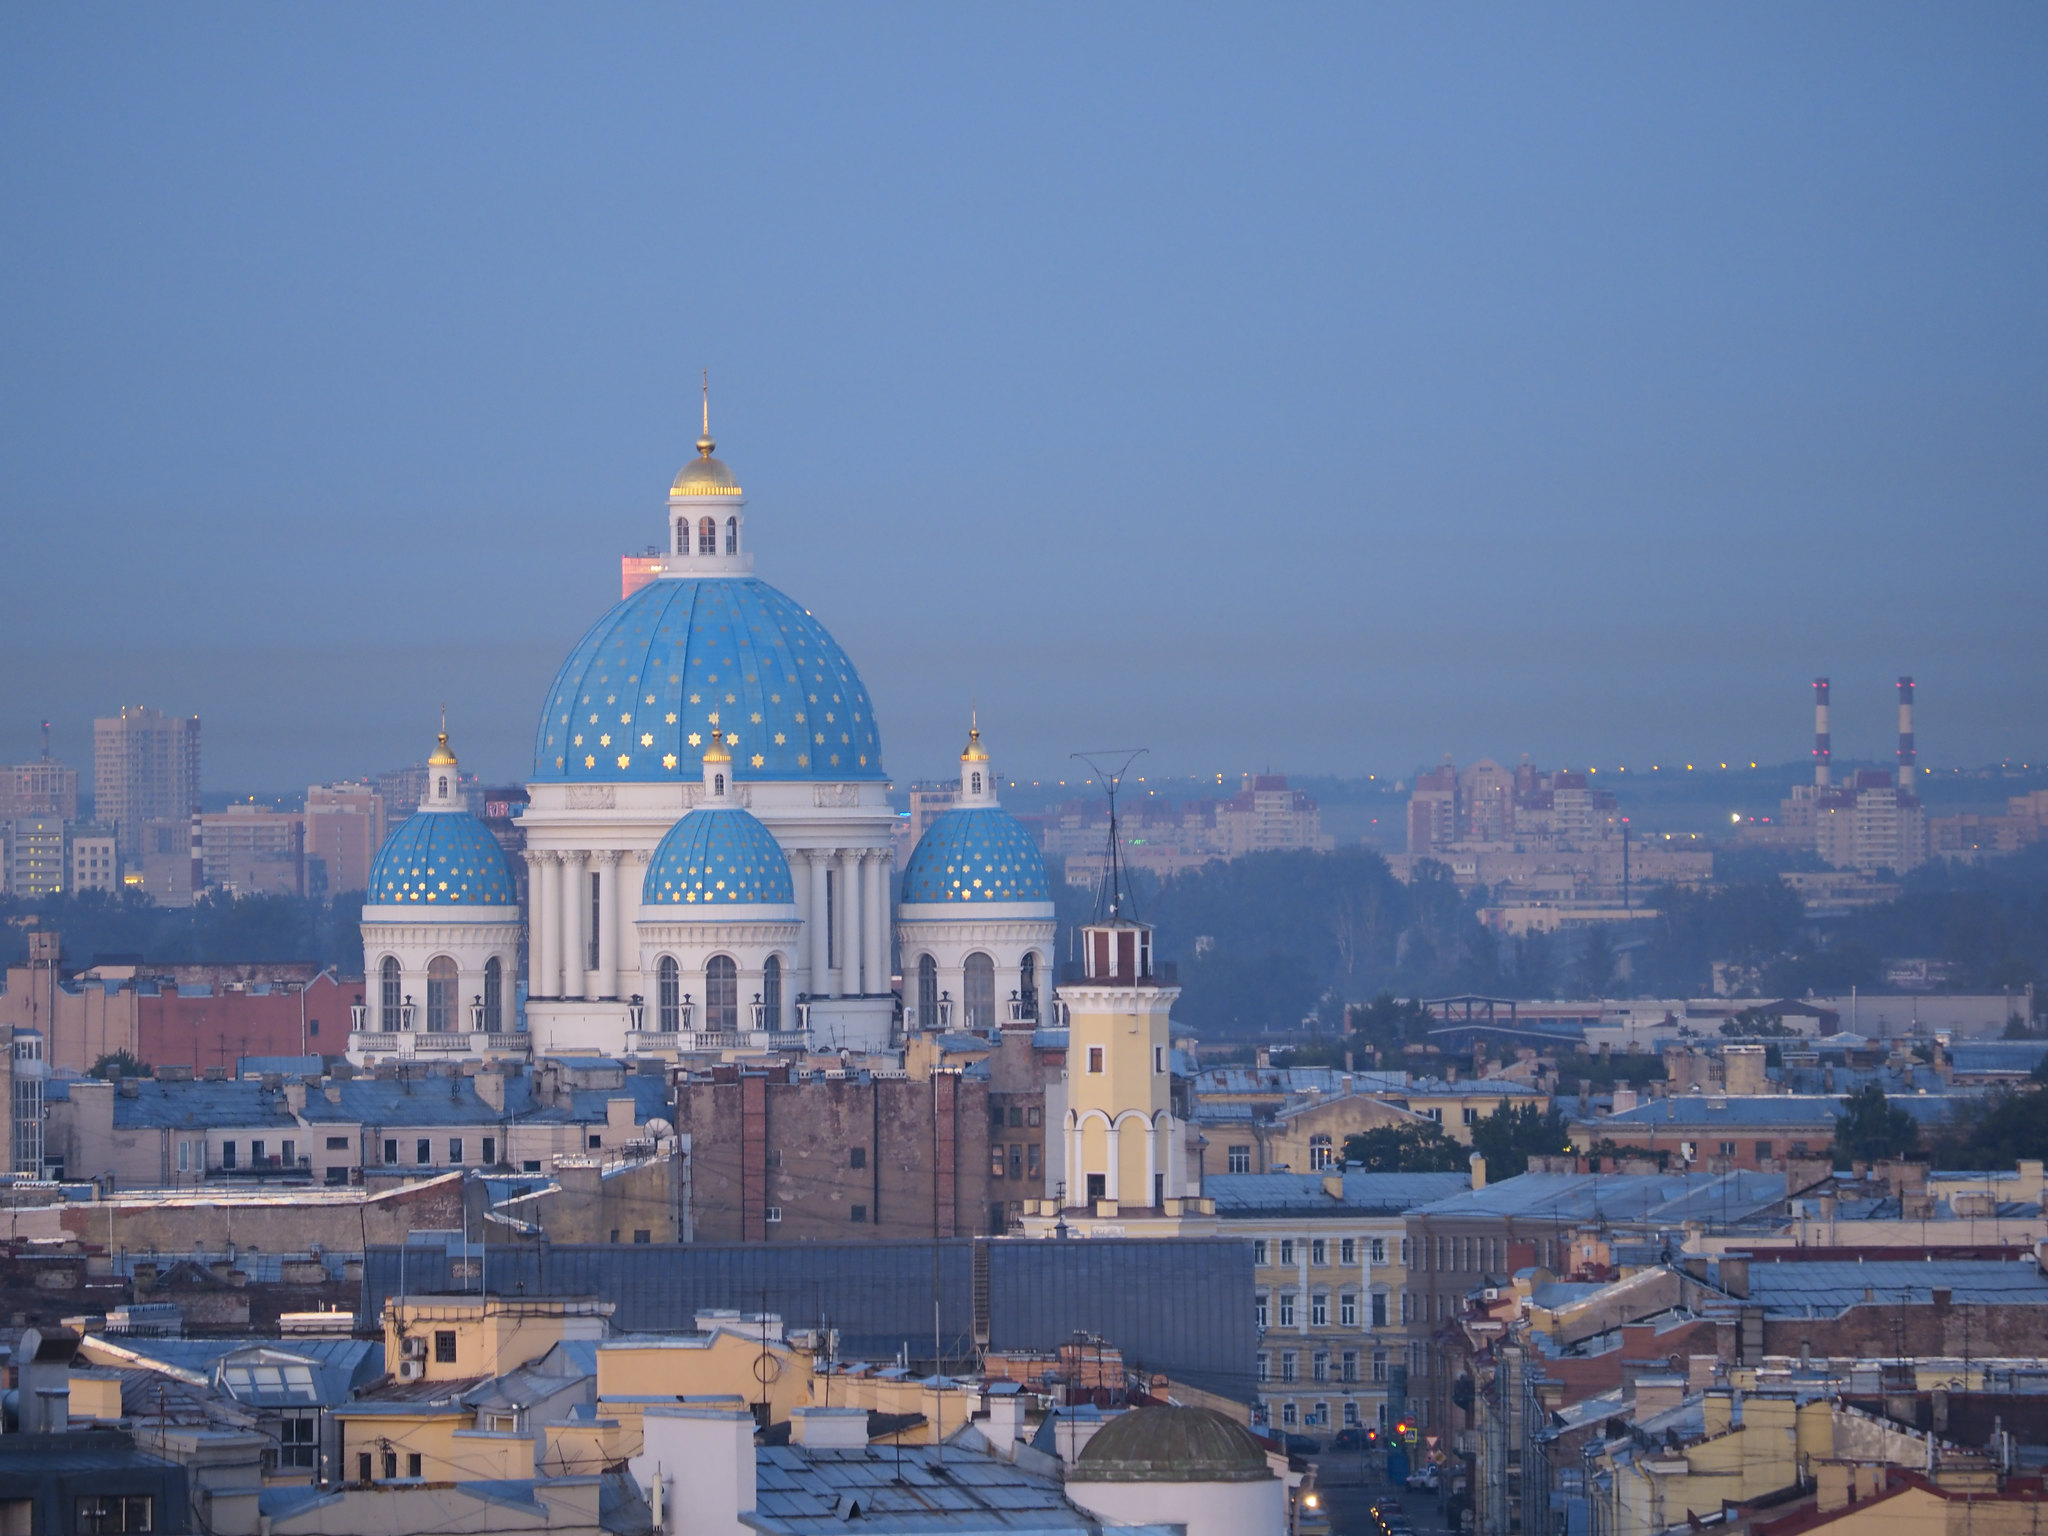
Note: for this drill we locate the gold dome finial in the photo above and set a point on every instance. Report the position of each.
(443, 757)
(715, 749)
(704, 443)
(976, 752)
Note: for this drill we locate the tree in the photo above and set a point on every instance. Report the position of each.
(1870, 1128)
(1995, 1131)
(1756, 1024)
(1389, 1022)
(1405, 1149)
(1595, 968)
(1513, 1134)
(120, 1064)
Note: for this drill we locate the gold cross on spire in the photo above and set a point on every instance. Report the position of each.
(704, 443)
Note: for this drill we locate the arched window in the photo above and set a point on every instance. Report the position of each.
(388, 998)
(980, 988)
(668, 995)
(1027, 989)
(718, 783)
(927, 992)
(682, 535)
(443, 981)
(721, 995)
(771, 991)
(443, 790)
(732, 535)
(1320, 1155)
(494, 995)
(977, 781)
(707, 536)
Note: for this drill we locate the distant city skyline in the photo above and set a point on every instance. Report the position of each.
(1327, 394)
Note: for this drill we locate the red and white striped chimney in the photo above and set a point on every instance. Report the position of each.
(1907, 756)
(1822, 746)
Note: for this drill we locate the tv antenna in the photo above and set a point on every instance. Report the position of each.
(1111, 783)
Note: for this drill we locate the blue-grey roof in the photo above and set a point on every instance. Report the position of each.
(278, 1066)
(426, 1101)
(438, 858)
(2016, 1056)
(199, 1105)
(636, 698)
(1289, 1080)
(717, 856)
(1764, 1111)
(1829, 1287)
(975, 854)
(914, 1488)
(1303, 1194)
(1664, 1198)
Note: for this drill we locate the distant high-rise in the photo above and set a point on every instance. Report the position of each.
(42, 788)
(145, 768)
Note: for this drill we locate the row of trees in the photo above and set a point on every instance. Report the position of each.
(1505, 1139)
(215, 929)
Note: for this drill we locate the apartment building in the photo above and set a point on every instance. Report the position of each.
(145, 767)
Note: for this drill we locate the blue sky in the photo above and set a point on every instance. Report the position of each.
(1321, 387)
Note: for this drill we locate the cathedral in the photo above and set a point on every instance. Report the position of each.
(708, 846)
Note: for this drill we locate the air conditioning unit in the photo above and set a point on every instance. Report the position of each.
(1493, 1293)
(412, 1370)
(414, 1348)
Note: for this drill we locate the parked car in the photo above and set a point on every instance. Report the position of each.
(1349, 1440)
(1423, 1480)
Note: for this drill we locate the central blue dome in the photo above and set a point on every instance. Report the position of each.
(714, 856)
(976, 854)
(443, 858)
(636, 699)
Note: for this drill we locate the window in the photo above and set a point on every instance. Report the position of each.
(1379, 1309)
(927, 992)
(1287, 1309)
(256, 1154)
(337, 1174)
(1351, 1408)
(1797, 1149)
(1319, 1366)
(721, 995)
(1379, 1365)
(857, 1158)
(454, 1149)
(1265, 1367)
(771, 992)
(494, 995)
(1320, 1155)
(643, 1235)
(1094, 1058)
(1027, 989)
(978, 982)
(362, 1466)
(227, 1154)
(1351, 1365)
(995, 1162)
(1407, 1308)
(774, 1213)
(1016, 1160)
(1347, 1310)
(1031, 1114)
(423, 1152)
(1319, 1252)
(389, 1018)
(707, 536)
(290, 1155)
(1763, 1151)
(443, 988)
(184, 1157)
(1288, 1415)
(1241, 1162)
(109, 1514)
(732, 535)
(391, 1149)
(1319, 1310)
(682, 535)
(668, 995)
(444, 1346)
(1471, 1115)
(597, 1142)
(1031, 1159)
(412, 1464)
(391, 1463)
(1016, 1115)
(1288, 1371)
(1727, 1149)
(859, 1213)
(1404, 1253)
(1286, 1250)
(1261, 1306)
(1347, 1251)
(1158, 1058)
(490, 1151)
(1379, 1250)
(531, 1165)
(1259, 1252)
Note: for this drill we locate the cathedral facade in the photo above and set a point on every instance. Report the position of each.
(708, 843)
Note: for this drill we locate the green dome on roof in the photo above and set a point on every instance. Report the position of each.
(1171, 1445)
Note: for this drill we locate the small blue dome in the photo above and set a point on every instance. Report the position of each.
(718, 855)
(635, 700)
(444, 858)
(976, 854)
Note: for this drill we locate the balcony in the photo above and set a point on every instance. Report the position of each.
(430, 1040)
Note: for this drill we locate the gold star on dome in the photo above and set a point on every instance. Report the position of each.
(611, 698)
(712, 717)
(755, 717)
(626, 719)
(589, 761)
(650, 698)
(696, 740)
(669, 761)
(671, 718)
(624, 760)
(604, 741)
(779, 740)
(696, 699)
(758, 760)
(579, 741)
(647, 738)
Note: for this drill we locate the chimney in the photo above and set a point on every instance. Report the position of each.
(1822, 745)
(1478, 1171)
(829, 1429)
(1906, 753)
(490, 1087)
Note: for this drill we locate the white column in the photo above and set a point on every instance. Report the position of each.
(852, 897)
(1151, 1156)
(544, 970)
(1077, 1174)
(821, 940)
(876, 925)
(1111, 1187)
(608, 923)
(575, 972)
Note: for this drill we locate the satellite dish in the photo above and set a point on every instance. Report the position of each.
(658, 1128)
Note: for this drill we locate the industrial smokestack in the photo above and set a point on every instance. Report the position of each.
(1906, 752)
(1822, 746)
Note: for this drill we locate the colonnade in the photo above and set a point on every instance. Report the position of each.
(570, 890)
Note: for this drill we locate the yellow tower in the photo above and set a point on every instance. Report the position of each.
(1125, 1150)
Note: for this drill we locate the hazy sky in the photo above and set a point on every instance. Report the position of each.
(1321, 387)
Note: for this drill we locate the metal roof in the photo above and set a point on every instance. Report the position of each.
(1668, 1198)
(914, 1489)
(1765, 1111)
(1254, 1194)
(1825, 1287)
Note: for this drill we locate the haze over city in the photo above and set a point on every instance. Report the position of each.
(1327, 393)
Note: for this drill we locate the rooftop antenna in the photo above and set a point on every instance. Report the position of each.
(1111, 783)
(46, 741)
